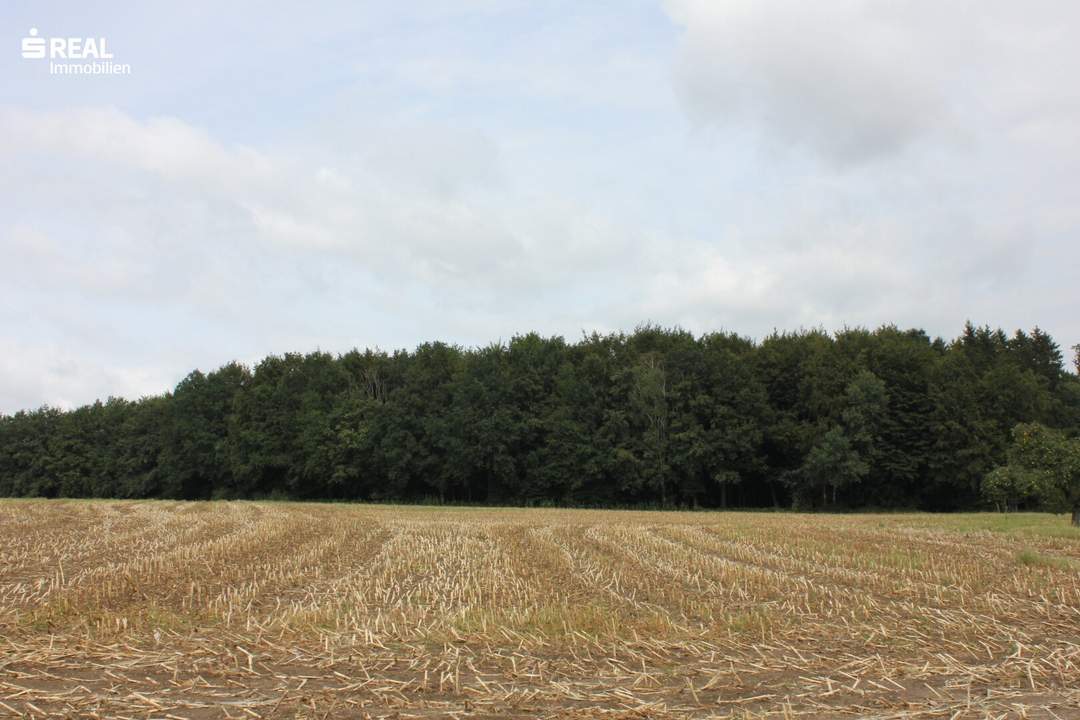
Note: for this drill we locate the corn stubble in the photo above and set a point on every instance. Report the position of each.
(250, 610)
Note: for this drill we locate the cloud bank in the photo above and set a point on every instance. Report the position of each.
(738, 165)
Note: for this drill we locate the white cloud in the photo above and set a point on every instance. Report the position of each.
(853, 81)
(455, 229)
(272, 250)
(63, 376)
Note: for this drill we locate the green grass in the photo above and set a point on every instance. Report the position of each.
(1031, 558)
(1045, 525)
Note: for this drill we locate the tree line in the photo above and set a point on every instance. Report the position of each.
(887, 418)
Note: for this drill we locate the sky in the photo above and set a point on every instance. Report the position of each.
(276, 177)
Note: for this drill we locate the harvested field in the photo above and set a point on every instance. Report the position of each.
(273, 610)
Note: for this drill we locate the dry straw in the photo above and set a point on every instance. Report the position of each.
(248, 610)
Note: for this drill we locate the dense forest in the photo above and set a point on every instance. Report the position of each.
(882, 419)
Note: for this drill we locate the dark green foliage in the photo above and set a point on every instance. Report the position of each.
(884, 418)
(195, 434)
(1009, 486)
(1052, 460)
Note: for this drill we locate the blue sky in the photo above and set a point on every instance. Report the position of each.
(272, 177)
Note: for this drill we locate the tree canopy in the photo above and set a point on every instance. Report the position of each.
(888, 418)
(1043, 463)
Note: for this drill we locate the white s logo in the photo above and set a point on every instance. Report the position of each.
(33, 47)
